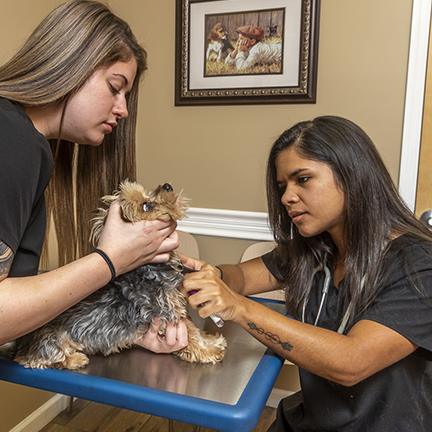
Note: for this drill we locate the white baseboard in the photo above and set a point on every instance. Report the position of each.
(43, 415)
(227, 223)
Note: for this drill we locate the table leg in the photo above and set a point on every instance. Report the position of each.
(70, 404)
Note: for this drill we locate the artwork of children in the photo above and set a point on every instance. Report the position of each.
(244, 43)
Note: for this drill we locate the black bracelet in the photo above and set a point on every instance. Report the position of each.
(221, 276)
(108, 261)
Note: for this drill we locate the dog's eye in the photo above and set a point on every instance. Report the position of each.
(167, 187)
(147, 206)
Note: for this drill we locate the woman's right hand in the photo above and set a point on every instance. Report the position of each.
(192, 263)
(130, 245)
(206, 291)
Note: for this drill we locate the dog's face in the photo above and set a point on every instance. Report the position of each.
(162, 203)
(137, 204)
(218, 32)
(221, 30)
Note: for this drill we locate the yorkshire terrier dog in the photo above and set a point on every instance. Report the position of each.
(119, 314)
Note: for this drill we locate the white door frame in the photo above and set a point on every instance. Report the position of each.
(414, 101)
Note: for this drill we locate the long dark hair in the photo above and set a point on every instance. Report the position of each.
(374, 212)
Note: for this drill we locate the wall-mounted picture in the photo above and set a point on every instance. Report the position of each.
(246, 51)
(237, 43)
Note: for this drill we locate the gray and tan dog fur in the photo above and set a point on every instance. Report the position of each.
(117, 315)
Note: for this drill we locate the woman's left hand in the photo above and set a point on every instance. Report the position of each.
(175, 338)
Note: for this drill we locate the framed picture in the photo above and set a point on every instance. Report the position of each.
(246, 51)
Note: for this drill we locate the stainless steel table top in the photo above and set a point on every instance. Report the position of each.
(223, 382)
(229, 396)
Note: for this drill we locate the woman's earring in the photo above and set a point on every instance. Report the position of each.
(291, 231)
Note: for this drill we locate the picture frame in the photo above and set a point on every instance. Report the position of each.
(275, 63)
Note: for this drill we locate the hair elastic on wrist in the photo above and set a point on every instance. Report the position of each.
(221, 276)
(108, 261)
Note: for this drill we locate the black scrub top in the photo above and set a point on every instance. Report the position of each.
(399, 397)
(26, 166)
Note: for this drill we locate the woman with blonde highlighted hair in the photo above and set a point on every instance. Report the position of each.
(68, 110)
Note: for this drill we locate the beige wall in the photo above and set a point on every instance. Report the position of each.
(217, 154)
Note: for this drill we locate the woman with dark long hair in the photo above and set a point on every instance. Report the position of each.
(68, 110)
(356, 267)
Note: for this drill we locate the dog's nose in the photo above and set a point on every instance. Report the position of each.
(167, 187)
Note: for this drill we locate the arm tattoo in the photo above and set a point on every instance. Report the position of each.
(286, 346)
(6, 258)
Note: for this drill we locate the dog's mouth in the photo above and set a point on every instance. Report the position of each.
(164, 217)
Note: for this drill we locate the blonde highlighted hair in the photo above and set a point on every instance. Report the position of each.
(72, 42)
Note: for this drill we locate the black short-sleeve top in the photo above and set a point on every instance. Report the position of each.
(398, 398)
(26, 166)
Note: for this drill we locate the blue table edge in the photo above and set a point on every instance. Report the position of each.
(240, 417)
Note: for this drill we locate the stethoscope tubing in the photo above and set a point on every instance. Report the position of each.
(324, 292)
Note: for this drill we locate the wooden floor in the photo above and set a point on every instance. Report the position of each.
(94, 417)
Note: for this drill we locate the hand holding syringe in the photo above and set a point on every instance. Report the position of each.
(218, 321)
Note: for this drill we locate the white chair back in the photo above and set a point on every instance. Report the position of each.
(254, 251)
(257, 249)
(188, 245)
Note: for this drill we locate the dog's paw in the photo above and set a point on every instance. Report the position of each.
(73, 362)
(206, 348)
(76, 361)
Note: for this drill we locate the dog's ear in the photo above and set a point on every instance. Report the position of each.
(182, 204)
(99, 219)
(213, 36)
